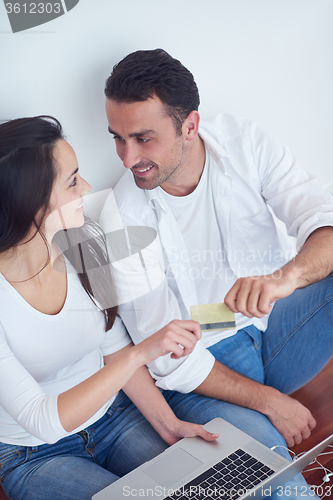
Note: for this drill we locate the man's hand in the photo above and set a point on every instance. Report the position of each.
(290, 417)
(254, 295)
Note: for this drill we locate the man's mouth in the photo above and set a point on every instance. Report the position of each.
(144, 169)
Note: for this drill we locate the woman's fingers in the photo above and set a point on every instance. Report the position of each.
(190, 430)
(177, 337)
(184, 336)
(206, 435)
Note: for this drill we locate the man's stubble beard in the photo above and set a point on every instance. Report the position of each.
(156, 182)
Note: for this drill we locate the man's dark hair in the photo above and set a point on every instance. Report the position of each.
(148, 73)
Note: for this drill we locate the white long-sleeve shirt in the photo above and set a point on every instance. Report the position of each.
(251, 173)
(44, 355)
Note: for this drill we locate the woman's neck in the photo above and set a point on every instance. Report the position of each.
(28, 259)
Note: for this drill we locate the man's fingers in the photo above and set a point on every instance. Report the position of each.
(254, 301)
(292, 419)
(231, 297)
(312, 423)
(297, 440)
(243, 296)
(303, 434)
(306, 434)
(265, 299)
(298, 437)
(253, 296)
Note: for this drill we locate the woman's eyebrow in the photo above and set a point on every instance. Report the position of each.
(74, 172)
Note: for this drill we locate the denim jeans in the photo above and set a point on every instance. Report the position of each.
(78, 466)
(297, 344)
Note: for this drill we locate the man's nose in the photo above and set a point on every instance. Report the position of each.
(131, 156)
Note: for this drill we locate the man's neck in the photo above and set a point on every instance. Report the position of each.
(188, 178)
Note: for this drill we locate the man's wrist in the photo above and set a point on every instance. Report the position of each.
(263, 402)
(291, 273)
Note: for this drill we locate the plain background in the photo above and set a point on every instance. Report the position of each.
(268, 60)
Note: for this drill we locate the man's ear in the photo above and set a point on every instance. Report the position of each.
(191, 126)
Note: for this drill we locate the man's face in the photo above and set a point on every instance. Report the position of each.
(146, 141)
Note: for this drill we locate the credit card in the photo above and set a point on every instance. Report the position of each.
(213, 317)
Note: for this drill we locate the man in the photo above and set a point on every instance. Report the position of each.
(206, 191)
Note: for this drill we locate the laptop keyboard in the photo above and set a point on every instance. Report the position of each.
(227, 479)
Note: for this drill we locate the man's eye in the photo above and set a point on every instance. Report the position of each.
(74, 181)
(117, 138)
(140, 139)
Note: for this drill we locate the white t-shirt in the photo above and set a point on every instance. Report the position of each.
(209, 268)
(251, 172)
(44, 355)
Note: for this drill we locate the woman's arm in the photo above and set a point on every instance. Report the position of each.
(141, 389)
(80, 403)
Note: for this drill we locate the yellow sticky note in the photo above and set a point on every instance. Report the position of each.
(213, 317)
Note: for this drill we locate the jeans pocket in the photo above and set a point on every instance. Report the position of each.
(11, 456)
(256, 337)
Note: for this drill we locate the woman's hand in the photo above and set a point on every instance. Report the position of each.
(177, 337)
(178, 429)
(80, 403)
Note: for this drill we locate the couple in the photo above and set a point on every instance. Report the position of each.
(66, 428)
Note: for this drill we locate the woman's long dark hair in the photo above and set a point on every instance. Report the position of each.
(27, 174)
(85, 248)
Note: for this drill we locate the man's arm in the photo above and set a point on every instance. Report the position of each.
(253, 296)
(290, 417)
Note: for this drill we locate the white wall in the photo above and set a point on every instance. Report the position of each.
(270, 60)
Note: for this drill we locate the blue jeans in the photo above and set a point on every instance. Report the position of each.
(297, 344)
(78, 466)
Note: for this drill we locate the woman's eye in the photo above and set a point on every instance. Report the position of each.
(73, 182)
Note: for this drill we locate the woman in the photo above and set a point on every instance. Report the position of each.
(65, 431)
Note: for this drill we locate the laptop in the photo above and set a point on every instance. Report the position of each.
(235, 466)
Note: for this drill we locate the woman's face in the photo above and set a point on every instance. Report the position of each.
(66, 203)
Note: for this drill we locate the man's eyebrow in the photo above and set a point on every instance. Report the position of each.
(73, 173)
(142, 132)
(134, 134)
